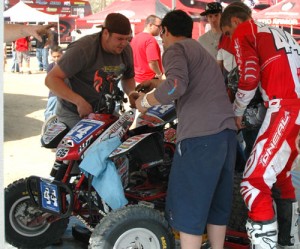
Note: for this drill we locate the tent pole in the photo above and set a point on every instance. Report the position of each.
(173, 4)
(58, 31)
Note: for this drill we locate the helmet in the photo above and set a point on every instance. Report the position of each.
(254, 116)
(232, 80)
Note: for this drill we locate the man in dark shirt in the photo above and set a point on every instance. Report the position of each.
(42, 53)
(108, 51)
(53, 38)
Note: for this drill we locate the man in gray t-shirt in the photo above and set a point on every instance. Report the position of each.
(72, 79)
(201, 178)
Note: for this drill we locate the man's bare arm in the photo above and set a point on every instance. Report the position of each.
(154, 66)
(128, 86)
(13, 32)
(55, 82)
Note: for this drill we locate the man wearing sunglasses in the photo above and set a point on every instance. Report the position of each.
(72, 78)
(146, 51)
(201, 179)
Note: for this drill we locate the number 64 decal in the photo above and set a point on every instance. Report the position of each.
(83, 129)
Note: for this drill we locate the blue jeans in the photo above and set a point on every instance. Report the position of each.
(51, 107)
(15, 64)
(42, 57)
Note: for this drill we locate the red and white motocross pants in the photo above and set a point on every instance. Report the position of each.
(271, 159)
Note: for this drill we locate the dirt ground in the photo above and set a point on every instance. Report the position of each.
(25, 98)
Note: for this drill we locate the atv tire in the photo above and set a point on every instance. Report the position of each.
(239, 211)
(133, 227)
(19, 211)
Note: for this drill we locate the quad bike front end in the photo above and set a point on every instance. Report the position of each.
(27, 226)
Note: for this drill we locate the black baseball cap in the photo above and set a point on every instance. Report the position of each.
(117, 23)
(212, 8)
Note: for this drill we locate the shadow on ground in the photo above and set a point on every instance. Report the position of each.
(16, 106)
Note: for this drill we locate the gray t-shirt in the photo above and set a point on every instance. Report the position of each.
(81, 61)
(194, 80)
(210, 42)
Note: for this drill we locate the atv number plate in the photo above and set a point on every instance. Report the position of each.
(49, 196)
(161, 110)
(84, 129)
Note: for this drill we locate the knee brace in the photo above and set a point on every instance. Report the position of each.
(287, 218)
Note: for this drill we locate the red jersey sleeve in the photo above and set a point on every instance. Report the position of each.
(244, 46)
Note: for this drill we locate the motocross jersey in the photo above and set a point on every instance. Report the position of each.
(268, 58)
(267, 55)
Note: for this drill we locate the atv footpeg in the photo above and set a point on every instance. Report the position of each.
(236, 240)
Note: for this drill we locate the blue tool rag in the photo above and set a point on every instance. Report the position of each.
(106, 179)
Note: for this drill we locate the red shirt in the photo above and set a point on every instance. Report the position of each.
(269, 56)
(22, 44)
(145, 49)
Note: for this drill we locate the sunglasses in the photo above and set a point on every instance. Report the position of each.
(227, 33)
(156, 25)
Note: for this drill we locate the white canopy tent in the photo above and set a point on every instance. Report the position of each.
(21, 12)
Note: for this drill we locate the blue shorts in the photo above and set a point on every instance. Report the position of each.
(201, 182)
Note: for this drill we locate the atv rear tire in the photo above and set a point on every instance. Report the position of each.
(19, 212)
(239, 211)
(133, 227)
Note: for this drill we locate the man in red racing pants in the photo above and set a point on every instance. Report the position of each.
(268, 58)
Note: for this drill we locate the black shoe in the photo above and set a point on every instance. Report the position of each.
(58, 242)
(81, 233)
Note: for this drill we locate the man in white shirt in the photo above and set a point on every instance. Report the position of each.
(210, 40)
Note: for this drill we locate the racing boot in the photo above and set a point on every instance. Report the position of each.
(262, 235)
(287, 217)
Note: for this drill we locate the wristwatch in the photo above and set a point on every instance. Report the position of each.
(144, 102)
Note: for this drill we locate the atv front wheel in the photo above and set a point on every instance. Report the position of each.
(25, 226)
(133, 227)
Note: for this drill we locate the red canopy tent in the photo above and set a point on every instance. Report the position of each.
(285, 13)
(193, 7)
(136, 11)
